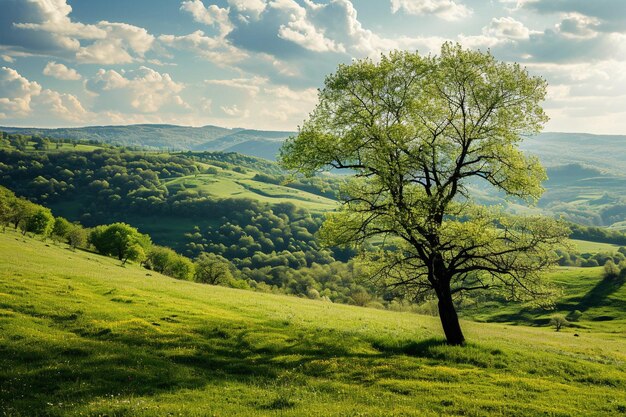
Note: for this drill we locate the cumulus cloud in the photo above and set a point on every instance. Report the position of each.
(16, 93)
(44, 27)
(445, 9)
(60, 71)
(212, 15)
(60, 105)
(121, 43)
(20, 98)
(287, 30)
(301, 30)
(248, 9)
(142, 90)
(506, 27)
(579, 26)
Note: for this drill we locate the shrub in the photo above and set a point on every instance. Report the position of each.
(558, 322)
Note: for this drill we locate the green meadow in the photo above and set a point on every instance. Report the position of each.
(82, 335)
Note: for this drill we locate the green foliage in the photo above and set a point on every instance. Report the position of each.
(168, 262)
(77, 237)
(597, 234)
(61, 228)
(610, 269)
(120, 240)
(559, 322)
(212, 269)
(415, 131)
(40, 222)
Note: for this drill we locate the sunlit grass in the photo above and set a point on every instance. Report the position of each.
(82, 335)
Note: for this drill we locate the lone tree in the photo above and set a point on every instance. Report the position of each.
(416, 132)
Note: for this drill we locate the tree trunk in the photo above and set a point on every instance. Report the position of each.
(449, 318)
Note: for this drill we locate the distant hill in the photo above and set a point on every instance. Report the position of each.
(604, 152)
(259, 143)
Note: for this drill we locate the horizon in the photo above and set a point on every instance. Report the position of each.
(240, 128)
(259, 63)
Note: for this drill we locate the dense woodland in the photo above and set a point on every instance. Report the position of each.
(268, 247)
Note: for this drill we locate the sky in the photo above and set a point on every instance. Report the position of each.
(258, 63)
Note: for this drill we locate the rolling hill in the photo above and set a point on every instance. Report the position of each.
(259, 143)
(82, 335)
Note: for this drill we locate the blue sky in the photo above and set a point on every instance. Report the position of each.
(258, 63)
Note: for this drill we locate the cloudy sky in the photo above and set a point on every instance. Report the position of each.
(258, 63)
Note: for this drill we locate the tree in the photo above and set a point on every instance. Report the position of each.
(166, 261)
(415, 132)
(61, 228)
(40, 222)
(558, 322)
(7, 206)
(77, 236)
(212, 269)
(118, 239)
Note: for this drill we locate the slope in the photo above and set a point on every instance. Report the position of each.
(83, 336)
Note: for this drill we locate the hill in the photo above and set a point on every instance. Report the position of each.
(83, 336)
(553, 148)
(258, 143)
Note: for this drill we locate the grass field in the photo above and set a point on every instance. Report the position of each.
(231, 184)
(584, 246)
(600, 300)
(82, 335)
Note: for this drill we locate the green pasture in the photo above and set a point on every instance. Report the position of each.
(82, 335)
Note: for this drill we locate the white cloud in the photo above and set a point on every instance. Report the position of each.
(445, 9)
(215, 49)
(300, 30)
(44, 27)
(61, 105)
(52, 16)
(212, 15)
(576, 25)
(16, 93)
(7, 58)
(251, 86)
(248, 8)
(142, 90)
(21, 98)
(506, 27)
(60, 71)
(122, 41)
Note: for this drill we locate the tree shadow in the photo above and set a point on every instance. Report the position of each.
(599, 294)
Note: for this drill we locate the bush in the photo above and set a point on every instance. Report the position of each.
(558, 322)
(610, 269)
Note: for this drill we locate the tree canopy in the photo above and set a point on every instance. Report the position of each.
(417, 132)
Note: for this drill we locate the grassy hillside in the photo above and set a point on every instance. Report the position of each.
(600, 300)
(82, 335)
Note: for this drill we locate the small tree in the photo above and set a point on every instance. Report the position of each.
(61, 228)
(40, 222)
(415, 132)
(212, 269)
(118, 239)
(77, 237)
(559, 322)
